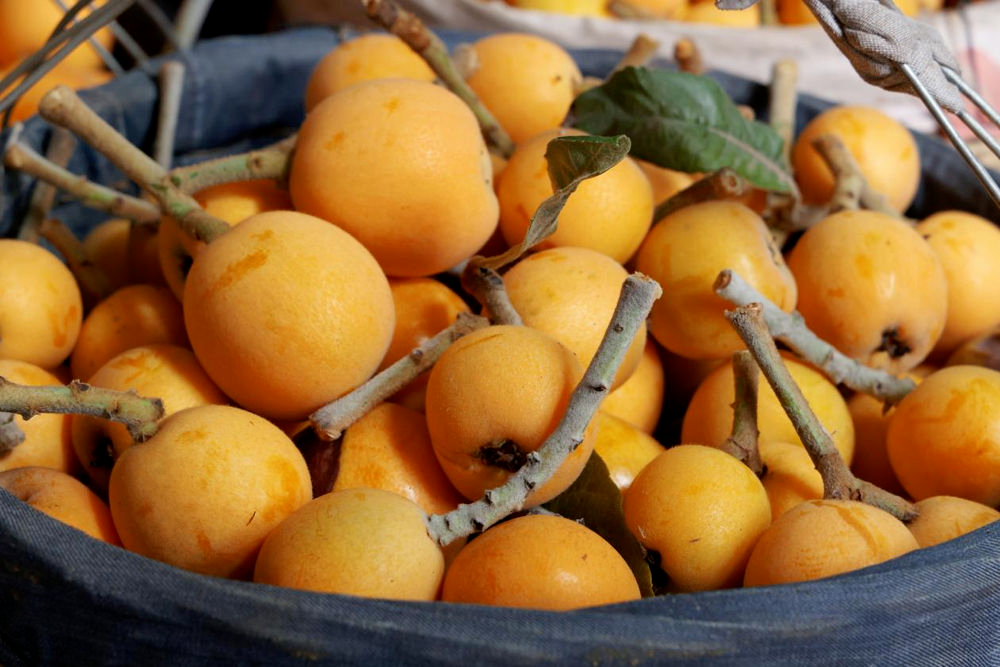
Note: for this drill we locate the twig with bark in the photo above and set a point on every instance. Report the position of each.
(838, 480)
(93, 283)
(271, 162)
(60, 149)
(742, 442)
(171, 87)
(140, 415)
(637, 297)
(851, 189)
(724, 184)
(487, 287)
(429, 46)
(791, 329)
(64, 107)
(782, 102)
(640, 52)
(23, 158)
(332, 420)
(688, 56)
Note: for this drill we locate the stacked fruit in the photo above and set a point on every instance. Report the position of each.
(261, 408)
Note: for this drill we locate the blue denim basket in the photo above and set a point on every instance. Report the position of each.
(68, 600)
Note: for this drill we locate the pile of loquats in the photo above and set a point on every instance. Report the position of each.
(787, 12)
(357, 376)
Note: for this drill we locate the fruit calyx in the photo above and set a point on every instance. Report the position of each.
(893, 344)
(504, 454)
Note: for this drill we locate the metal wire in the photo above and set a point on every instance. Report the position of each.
(985, 179)
(63, 40)
(971, 93)
(109, 60)
(161, 20)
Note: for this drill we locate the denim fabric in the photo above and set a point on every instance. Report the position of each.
(69, 600)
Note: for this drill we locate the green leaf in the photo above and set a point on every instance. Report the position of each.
(574, 158)
(685, 122)
(595, 499)
(571, 160)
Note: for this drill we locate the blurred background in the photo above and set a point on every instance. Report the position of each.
(743, 43)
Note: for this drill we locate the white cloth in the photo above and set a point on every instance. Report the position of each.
(973, 35)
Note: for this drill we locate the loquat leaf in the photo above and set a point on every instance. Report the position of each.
(685, 122)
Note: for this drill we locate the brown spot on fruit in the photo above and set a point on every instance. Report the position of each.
(504, 454)
(237, 270)
(893, 344)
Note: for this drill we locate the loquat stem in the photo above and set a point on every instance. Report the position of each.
(332, 420)
(171, 88)
(270, 162)
(786, 213)
(782, 101)
(851, 188)
(688, 56)
(140, 415)
(429, 46)
(791, 329)
(487, 287)
(23, 158)
(640, 52)
(61, 146)
(11, 434)
(93, 283)
(64, 107)
(838, 480)
(723, 184)
(769, 12)
(742, 442)
(637, 297)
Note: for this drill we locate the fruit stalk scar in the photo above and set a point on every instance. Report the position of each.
(140, 415)
(332, 420)
(790, 329)
(637, 297)
(838, 480)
